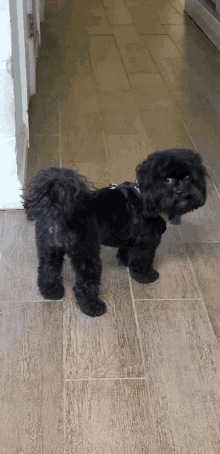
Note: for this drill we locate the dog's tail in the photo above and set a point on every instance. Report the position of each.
(55, 192)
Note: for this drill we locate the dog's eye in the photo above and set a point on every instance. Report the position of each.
(169, 180)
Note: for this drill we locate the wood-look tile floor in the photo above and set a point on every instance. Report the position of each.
(116, 80)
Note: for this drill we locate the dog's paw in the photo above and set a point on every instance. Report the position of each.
(52, 292)
(151, 276)
(89, 305)
(93, 309)
(96, 309)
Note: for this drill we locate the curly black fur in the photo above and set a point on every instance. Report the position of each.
(74, 218)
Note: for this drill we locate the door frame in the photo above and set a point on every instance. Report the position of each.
(19, 65)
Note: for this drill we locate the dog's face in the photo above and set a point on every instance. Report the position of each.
(172, 182)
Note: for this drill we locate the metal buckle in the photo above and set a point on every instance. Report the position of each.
(136, 184)
(113, 186)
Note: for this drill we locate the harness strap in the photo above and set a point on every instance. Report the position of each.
(135, 222)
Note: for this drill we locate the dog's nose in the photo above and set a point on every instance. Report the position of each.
(179, 189)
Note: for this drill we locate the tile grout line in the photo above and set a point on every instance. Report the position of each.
(142, 355)
(183, 56)
(170, 93)
(59, 134)
(122, 62)
(159, 72)
(104, 140)
(200, 293)
(181, 119)
(192, 34)
(43, 134)
(212, 181)
(135, 299)
(106, 378)
(97, 96)
(167, 299)
(207, 241)
(132, 89)
(31, 301)
(64, 391)
(216, 189)
(99, 34)
(136, 320)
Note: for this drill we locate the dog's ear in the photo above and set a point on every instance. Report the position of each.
(150, 209)
(198, 165)
(144, 173)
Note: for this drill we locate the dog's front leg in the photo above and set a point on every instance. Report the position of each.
(88, 267)
(142, 254)
(141, 258)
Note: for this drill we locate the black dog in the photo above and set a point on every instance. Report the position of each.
(73, 218)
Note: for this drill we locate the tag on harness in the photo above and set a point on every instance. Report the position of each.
(176, 220)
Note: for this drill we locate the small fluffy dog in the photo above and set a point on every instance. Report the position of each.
(75, 219)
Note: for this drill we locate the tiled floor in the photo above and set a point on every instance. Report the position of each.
(116, 80)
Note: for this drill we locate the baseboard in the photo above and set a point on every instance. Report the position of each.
(205, 18)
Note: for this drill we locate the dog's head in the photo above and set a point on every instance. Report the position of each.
(172, 181)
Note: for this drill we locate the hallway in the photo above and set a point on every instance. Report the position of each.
(117, 80)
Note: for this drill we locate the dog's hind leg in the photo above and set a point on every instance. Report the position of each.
(49, 272)
(50, 256)
(88, 267)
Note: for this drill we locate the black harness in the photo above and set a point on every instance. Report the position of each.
(133, 201)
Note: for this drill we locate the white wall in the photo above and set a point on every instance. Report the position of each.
(10, 186)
